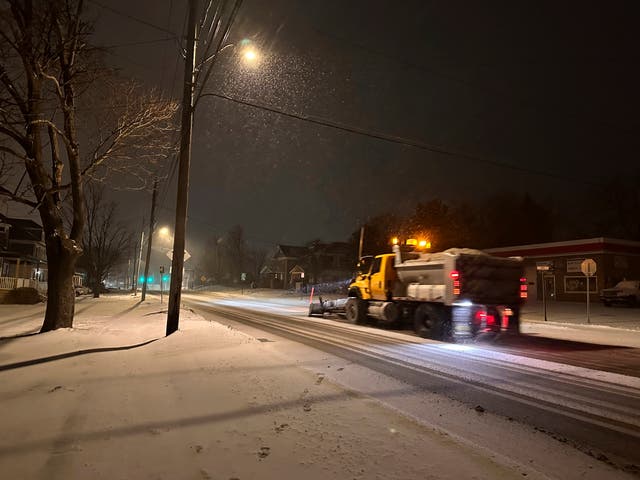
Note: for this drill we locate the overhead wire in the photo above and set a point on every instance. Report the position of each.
(438, 149)
(134, 18)
(173, 165)
(522, 103)
(216, 19)
(133, 44)
(164, 51)
(219, 46)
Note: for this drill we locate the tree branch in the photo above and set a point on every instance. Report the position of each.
(18, 199)
(52, 126)
(20, 139)
(10, 151)
(13, 91)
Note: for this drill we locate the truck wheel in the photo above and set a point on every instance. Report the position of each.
(356, 310)
(428, 322)
(391, 314)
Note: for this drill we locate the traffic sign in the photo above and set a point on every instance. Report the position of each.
(545, 266)
(187, 255)
(588, 267)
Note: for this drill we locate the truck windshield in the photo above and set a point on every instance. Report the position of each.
(364, 265)
(376, 265)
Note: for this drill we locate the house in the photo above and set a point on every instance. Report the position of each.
(332, 262)
(556, 266)
(276, 272)
(291, 266)
(23, 256)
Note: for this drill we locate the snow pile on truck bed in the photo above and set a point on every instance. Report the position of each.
(438, 256)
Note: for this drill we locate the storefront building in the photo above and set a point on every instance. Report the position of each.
(555, 267)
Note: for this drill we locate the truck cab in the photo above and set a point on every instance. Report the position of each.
(376, 282)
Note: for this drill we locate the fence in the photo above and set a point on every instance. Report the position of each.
(9, 283)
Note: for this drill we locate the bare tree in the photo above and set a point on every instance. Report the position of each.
(256, 258)
(106, 242)
(234, 251)
(44, 66)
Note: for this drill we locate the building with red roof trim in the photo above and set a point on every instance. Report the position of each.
(557, 264)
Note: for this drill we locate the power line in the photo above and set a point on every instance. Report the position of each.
(182, 35)
(134, 18)
(522, 102)
(133, 44)
(441, 150)
(164, 51)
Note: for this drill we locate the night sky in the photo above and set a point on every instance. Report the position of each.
(550, 88)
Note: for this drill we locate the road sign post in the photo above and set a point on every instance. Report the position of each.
(588, 268)
(161, 275)
(544, 267)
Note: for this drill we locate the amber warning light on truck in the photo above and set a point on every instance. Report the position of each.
(412, 242)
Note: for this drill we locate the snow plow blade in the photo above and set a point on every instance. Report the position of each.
(327, 306)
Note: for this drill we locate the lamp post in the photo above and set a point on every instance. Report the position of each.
(135, 283)
(189, 101)
(152, 225)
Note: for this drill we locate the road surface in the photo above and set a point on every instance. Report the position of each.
(595, 410)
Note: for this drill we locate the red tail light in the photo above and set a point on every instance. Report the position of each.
(484, 319)
(455, 276)
(523, 288)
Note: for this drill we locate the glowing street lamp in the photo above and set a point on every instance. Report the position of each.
(250, 55)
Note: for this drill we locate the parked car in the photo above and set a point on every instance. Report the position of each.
(626, 292)
(80, 290)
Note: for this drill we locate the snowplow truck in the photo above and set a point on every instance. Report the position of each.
(451, 295)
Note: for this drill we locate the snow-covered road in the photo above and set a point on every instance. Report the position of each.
(594, 410)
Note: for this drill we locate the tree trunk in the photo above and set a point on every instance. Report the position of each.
(95, 286)
(61, 260)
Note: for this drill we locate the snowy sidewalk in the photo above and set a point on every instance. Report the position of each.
(100, 401)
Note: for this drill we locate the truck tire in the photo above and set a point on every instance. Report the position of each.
(356, 310)
(428, 322)
(391, 318)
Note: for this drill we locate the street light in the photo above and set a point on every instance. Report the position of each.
(250, 56)
(189, 102)
(135, 283)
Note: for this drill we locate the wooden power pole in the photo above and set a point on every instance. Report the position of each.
(152, 222)
(177, 262)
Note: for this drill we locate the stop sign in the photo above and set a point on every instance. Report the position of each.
(588, 267)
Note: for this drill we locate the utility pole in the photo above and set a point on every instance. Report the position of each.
(136, 270)
(152, 222)
(182, 198)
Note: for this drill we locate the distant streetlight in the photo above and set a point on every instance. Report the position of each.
(250, 55)
(164, 232)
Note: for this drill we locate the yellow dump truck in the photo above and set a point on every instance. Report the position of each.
(450, 295)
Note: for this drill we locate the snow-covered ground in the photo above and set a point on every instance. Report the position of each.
(113, 398)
